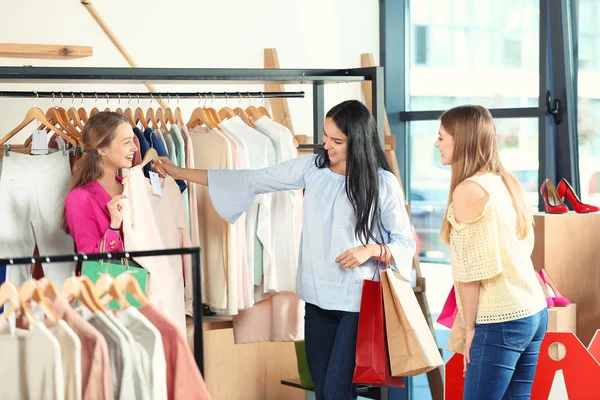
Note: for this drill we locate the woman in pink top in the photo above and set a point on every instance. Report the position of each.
(92, 207)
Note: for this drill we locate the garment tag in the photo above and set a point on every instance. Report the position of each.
(155, 181)
(39, 143)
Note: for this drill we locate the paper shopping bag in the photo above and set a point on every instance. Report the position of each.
(449, 311)
(95, 269)
(372, 361)
(412, 347)
(456, 341)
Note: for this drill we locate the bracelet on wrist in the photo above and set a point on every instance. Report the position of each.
(114, 229)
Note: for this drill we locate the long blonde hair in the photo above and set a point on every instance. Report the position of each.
(98, 132)
(476, 150)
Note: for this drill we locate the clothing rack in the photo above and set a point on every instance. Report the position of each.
(317, 77)
(146, 95)
(197, 300)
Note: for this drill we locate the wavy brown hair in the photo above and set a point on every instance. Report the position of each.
(476, 150)
(98, 132)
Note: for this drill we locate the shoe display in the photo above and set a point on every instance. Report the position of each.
(552, 200)
(565, 190)
(551, 291)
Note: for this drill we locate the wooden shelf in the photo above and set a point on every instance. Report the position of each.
(44, 51)
(215, 323)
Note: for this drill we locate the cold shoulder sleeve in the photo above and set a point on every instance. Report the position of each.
(475, 247)
(233, 191)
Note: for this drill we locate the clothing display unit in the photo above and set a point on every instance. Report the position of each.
(220, 384)
(317, 77)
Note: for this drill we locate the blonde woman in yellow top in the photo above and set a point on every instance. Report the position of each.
(488, 225)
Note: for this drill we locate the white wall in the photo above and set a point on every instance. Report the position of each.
(188, 33)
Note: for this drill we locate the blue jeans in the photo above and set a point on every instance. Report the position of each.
(504, 357)
(330, 338)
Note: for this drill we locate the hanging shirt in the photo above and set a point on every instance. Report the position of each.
(192, 196)
(171, 149)
(158, 144)
(121, 362)
(70, 348)
(261, 154)
(184, 380)
(280, 270)
(217, 237)
(328, 225)
(30, 365)
(149, 338)
(144, 146)
(152, 222)
(95, 365)
(180, 150)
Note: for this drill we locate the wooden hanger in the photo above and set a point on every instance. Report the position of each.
(88, 285)
(74, 289)
(75, 118)
(170, 116)
(242, 113)
(151, 155)
(160, 117)
(30, 290)
(82, 114)
(10, 292)
(119, 110)
(58, 117)
(140, 117)
(200, 115)
(151, 117)
(128, 112)
(226, 112)
(127, 283)
(253, 113)
(49, 288)
(33, 114)
(178, 117)
(105, 286)
(264, 112)
(70, 128)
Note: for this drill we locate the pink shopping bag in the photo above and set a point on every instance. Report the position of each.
(449, 311)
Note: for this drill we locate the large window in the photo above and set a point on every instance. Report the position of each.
(473, 51)
(588, 107)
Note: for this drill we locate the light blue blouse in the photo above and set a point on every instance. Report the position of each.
(327, 225)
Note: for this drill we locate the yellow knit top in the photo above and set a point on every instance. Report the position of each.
(487, 249)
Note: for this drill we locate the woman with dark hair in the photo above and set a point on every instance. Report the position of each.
(92, 207)
(352, 203)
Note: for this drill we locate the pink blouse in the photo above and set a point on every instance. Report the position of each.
(88, 218)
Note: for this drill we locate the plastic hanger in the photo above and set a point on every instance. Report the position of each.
(30, 290)
(127, 283)
(48, 288)
(105, 286)
(33, 114)
(10, 292)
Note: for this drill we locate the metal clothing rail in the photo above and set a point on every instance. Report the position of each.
(147, 95)
(197, 300)
(317, 77)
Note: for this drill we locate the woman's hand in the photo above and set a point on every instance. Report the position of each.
(356, 256)
(166, 167)
(470, 333)
(114, 208)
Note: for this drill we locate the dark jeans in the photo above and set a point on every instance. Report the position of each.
(504, 357)
(330, 338)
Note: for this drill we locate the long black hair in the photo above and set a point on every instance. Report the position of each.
(365, 157)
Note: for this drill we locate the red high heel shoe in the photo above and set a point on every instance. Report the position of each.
(558, 300)
(565, 190)
(553, 202)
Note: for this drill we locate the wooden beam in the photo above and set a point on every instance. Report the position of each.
(113, 38)
(280, 108)
(366, 60)
(45, 51)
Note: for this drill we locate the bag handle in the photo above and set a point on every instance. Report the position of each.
(379, 262)
(124, 261)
